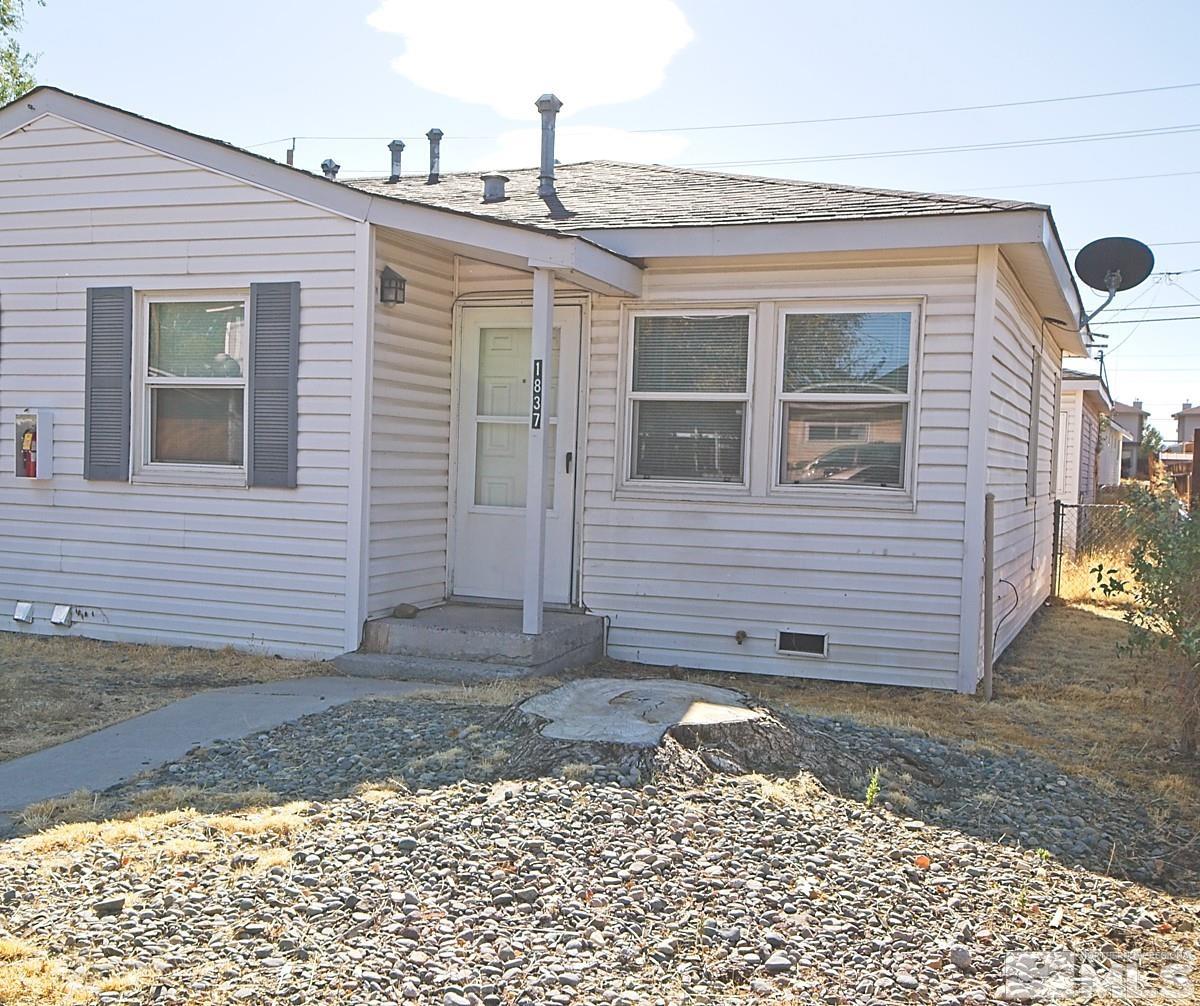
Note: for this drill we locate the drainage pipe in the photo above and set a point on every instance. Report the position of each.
(989, 593)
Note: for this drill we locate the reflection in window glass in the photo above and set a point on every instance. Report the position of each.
(864, 353)
(868, 452)
(197, 339)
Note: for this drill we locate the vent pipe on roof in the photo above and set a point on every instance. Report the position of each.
(435, 156)
(1137, 404)
(397, 148)
(493, 187)
(331, 168)
(548, 105)
(1186, 406)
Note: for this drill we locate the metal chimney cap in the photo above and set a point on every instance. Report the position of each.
(435, 134)
(549, 103)
(396, 145)
(330, 167)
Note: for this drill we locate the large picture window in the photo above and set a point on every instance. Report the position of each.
(845, 395)
(194, 382)
(688, 397)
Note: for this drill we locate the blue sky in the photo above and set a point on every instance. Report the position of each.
(630, 71)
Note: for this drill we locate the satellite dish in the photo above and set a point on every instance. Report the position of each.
(1114, 264)
(1111, 265)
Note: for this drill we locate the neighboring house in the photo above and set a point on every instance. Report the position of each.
(283, 405)
(1187, 422)
(1088, 454)
(1132, 419)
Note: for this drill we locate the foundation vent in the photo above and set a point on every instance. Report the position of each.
(805, 644)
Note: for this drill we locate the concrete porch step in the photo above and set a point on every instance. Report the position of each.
(471, 642)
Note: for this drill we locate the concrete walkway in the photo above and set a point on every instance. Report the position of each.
(114, 754)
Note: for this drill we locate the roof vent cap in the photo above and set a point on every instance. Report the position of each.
(493, 187)
(331, 168)
(548, 105)
(397, 149)
(435, 155)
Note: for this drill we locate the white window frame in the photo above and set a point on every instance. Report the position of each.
(146, 470)
(915, 308)
(660, 487)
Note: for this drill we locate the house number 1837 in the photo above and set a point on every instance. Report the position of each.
(535, 415)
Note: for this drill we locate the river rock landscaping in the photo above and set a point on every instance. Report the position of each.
(441, 853)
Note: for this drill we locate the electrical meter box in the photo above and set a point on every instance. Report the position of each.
(35, 444)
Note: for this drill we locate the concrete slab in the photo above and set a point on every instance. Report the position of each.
(117, 753)
(621, 711)
(473, 634)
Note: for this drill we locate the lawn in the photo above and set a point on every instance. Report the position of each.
(55, 689)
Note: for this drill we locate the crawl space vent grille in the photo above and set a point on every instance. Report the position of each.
(807, 644)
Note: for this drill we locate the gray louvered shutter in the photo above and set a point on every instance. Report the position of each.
(273, 363)
(107, 377)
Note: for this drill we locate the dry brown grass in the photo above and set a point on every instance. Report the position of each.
(1077, 582)
(31, 977)
(83, 817)
(55, 689)
(1061, 691)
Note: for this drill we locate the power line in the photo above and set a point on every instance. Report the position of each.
(1074, 181)
(921, 111)
(872, 116)
(1047, 141)
(1149, 321)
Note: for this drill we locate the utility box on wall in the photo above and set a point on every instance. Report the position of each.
(35, 444)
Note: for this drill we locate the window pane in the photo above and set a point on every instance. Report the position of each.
(688, 441)
(196, 426)
(502, 463)
(504, 372)
(706, 354)
(199, 339)
(847, 353)
(868, 449)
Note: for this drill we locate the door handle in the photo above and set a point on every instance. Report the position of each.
(570, 458)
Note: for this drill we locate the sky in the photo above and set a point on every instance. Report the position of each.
(636, 77)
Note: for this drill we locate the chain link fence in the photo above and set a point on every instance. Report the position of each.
(1087, 535)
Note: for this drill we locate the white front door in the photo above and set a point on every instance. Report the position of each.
(493, 452)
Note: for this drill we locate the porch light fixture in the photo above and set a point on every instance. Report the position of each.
(391, 287)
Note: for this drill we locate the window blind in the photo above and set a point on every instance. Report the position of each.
(704, 354)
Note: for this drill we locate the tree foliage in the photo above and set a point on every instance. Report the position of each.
(1164, 588)
(16, 65)
(1152, 441)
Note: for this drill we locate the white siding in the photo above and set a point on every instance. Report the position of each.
(679, 578)
(260, 568)
(410, 430)
(1023, 525)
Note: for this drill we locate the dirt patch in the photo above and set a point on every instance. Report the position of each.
(53, 690)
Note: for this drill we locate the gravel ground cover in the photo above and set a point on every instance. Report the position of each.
(430, 858)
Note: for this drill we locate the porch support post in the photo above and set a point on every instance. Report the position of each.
(535, 487)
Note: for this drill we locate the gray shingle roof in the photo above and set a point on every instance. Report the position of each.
(609, 194)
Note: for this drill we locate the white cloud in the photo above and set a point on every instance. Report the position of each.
(519, 148)
(504, 55)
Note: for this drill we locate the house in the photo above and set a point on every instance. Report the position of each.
(268, 407)
(1131, 418)
(1089, 440)
(1187, 421)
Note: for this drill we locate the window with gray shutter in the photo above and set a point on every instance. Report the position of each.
(107, 383)
(272, 370)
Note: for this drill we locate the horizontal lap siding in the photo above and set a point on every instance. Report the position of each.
(1023, 528)
(679, 579)
(410, 430)
(257, 568)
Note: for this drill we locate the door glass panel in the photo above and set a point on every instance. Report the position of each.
(504, 365)
(501, 459)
